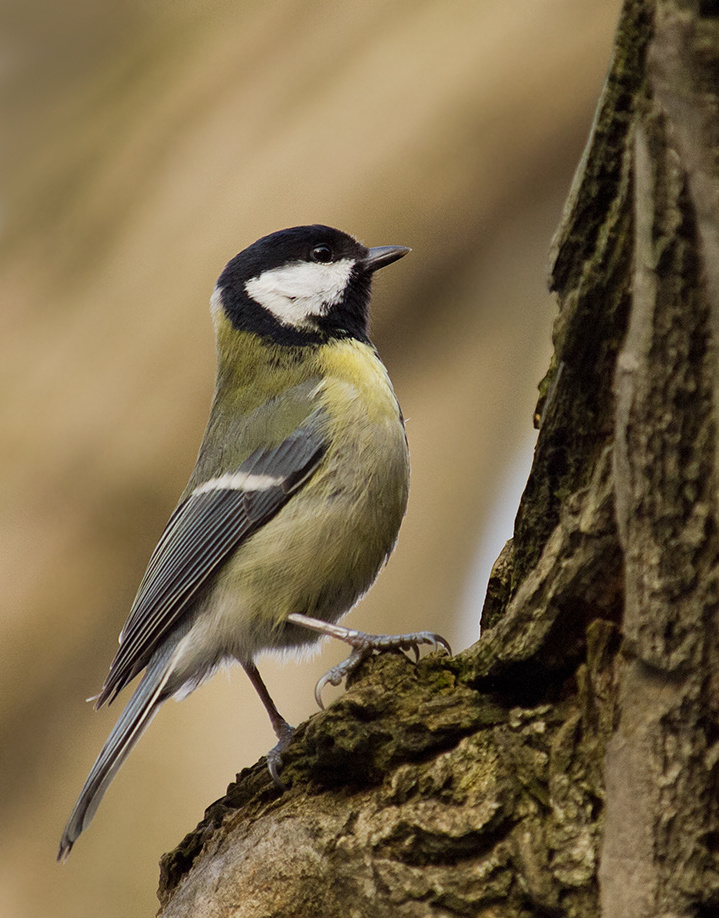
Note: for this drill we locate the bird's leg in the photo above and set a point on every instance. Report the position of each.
(283, 731)
(363, 645)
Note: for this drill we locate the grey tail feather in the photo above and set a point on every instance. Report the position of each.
(131, 724)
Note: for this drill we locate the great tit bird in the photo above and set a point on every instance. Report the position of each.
(296, 499)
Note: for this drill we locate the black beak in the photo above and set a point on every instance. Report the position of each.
(382, 255)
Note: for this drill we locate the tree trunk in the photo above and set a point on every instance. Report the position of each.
(566, 764)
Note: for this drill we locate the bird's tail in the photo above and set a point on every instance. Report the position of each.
(130, 726)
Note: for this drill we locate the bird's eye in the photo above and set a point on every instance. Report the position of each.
(321, 253)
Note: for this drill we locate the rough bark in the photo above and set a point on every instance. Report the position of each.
(566, 764)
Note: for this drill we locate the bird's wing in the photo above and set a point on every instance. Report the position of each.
(201, 534)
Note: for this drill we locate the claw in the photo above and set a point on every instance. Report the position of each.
(321, 683)
(327, 679)
(336, 674)
(274, 766)
(274, 756)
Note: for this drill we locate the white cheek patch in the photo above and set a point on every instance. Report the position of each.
(296, 292)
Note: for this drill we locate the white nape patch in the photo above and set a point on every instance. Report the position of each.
(239, 481)
(216, 306)
(294, 293)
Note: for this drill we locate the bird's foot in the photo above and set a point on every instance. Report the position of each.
(364, 645)
(274, 757)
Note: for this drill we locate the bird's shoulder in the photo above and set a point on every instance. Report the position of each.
(255, 418)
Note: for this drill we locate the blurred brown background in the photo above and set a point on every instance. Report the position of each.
(143, 145)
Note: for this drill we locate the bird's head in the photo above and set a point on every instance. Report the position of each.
(302, 285)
